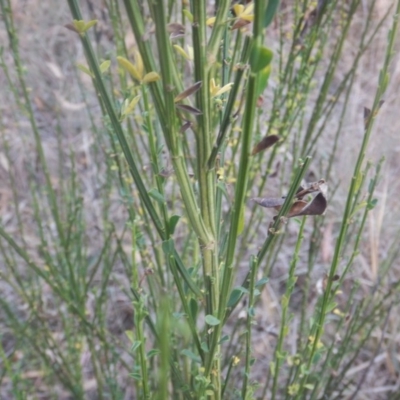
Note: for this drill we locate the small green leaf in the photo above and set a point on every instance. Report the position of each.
(371, 185)
(136, 376)
(331, 306)
(84, 69)
(211, 320)
(272, 368)
(194, 357)
(260, 58)
(104, 66)
(89, 24)
(168, 247)
(261, 282)
(204, 347)
(224, 339)
(82, 26)
(79, 25)
(152, 353)
(372, 204)
(270, 12)
(263, 79)
(156, 195)
(193, 307)
(316, 357)
(309, 386)
(135, 345)
(188, 15)
(359, 207)
(130, 336)
(130, 106)
(172, 223)
(235, 296)
(221, 186)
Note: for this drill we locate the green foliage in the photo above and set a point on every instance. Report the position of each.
(187, 250)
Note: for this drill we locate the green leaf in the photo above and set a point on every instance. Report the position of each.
(135, 345)
(156, 195)
(359, 207)
(172, 223)
(168, 247)
(211, 320)
(372, 204)
(152, 353)
(130, 336)
(104, 66)
(309, 386)
(84, 69)
(260, 58)
(272, 366)
(193, 307)
(136, 376)
(316, 357)
(79, 25)
(130, 106)
(331, 306)
(221, 186)
(204, 347)
(194, 357)
(169, 250)
(90, 24)
(82, 26)
(262, 281)
(263, 78)
(235, 296)
(270, 12)
(224, 339)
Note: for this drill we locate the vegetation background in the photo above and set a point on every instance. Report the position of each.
(96, 303)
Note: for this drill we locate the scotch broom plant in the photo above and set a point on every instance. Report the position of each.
(153, 265)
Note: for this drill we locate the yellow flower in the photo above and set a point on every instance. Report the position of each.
(210, 21)
(136, 70)
(244, 15)
(243, 12)
(217, 90)
(188, 55)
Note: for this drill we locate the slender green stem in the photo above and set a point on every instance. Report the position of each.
(99, 84)
(285, 305)
(249, 321)
(382, 85)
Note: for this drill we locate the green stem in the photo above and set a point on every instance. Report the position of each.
(249, 321)
(382, 85)
(285, 305)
